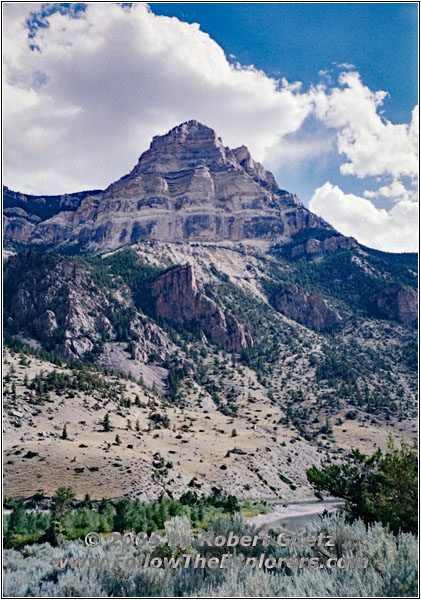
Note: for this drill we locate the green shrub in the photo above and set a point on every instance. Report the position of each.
(380, 488)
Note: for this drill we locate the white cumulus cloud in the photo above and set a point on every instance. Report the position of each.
(79, 110)
(372, 144)
(395, 191)
(394, 230)
(85, 92)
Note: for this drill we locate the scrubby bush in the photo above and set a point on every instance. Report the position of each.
(391, 569)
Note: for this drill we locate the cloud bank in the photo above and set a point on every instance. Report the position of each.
(85, 91)
(389, 230)
(101, 85)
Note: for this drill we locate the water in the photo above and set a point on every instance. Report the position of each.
(295, 516)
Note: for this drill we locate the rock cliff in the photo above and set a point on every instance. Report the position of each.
(398, 303)
(187, 186)
(308, 309)
(56, 302)
(178, 298)
(313, 247)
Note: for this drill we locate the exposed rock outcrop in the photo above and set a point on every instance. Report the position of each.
(51, 300)
(55, 301)
(187, 186)
(253, 168)
(398, 303)
(314, 247)
(179, 298)
(308, 309)
(22, 212)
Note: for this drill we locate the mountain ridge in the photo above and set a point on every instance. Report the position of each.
(186, 186)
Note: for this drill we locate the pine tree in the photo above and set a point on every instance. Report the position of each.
(163, 513)
(62, 502)
(106, 423)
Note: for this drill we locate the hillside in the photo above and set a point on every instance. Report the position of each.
(290, 396)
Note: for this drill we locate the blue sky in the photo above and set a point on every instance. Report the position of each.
(323, 94)
(296, 41)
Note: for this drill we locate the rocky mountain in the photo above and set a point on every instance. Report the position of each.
(194, 301)
(220, 340)
(397, 302)
(67, 315)
(21, 212)
(54, 304)
(314, 247)
(187, 186)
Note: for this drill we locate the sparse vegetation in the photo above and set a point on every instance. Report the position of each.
(106, 423)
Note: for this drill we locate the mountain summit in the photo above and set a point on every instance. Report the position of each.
(251, 365)
(187, 146)
(192, 145)
(186, 186)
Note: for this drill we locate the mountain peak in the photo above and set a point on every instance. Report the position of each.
(185, 130)
(191, 145)
(190, 126)
(186, 146)
(186, 186)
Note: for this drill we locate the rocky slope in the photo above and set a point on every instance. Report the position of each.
(313, 247)
(399, 303)
(187, 186)
(182, 334)
(66, 314)
(21, 212)
(193, 450)
(54, 302)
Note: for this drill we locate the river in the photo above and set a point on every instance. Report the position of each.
(295, 515)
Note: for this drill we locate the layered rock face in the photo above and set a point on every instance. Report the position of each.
(255, 169)
(316, 247)
(22, 212)
(397, 303)
(178, 298)
(187, 186)
(308, 309)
